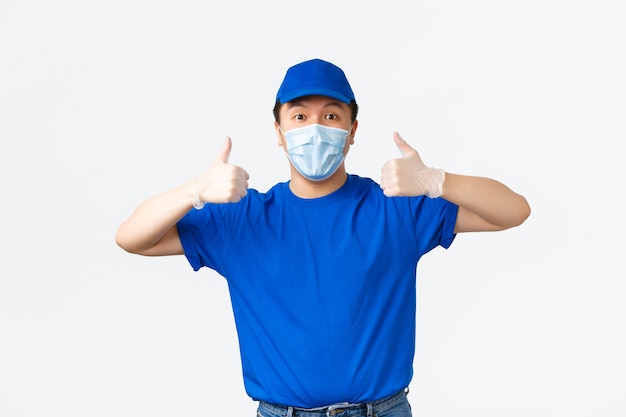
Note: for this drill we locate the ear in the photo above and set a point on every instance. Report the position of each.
(279, 134)
(354, 127)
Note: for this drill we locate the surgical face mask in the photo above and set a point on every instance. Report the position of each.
(316, 151)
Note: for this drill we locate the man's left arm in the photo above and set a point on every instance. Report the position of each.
(484, 203)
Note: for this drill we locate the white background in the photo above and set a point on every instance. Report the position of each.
(104, 104)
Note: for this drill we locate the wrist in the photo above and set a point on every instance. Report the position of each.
(196, 201)
(436, 186)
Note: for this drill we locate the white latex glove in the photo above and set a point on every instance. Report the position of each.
(221, 182)
(409, 176)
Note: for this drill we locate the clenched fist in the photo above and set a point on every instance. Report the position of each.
(409, 176)
(221, 182)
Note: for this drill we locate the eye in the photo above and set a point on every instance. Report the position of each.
(330, 117)
(299, 117)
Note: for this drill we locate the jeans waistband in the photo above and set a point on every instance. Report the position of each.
(334, 409)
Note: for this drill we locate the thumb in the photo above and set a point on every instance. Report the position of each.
(405, 149)
(225, 152)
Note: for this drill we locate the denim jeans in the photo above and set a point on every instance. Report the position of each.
(395, 406)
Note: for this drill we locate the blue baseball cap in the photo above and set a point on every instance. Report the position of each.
(315, 77)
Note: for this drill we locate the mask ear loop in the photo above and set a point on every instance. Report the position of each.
(280, 129)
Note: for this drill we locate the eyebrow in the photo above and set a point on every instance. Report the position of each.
(299, 102)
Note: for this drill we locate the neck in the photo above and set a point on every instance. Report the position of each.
(305, 188)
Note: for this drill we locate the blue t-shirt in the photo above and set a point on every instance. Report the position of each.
(323, 290)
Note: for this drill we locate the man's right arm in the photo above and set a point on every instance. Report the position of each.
(151, 229)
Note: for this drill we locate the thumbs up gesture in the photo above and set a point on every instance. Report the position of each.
(221, 182)
(409, 176)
